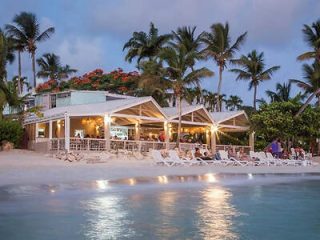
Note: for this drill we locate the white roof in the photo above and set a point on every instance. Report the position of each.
(108, 107)
(224, 116)
(172, 112)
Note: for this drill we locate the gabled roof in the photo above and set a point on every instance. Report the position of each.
(220, 117)
(172, 112)
(108, 107)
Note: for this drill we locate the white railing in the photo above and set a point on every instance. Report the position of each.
(235, 148)
(188, 146)
(87, 144)
(96, 144)
(132, 145)
(56, 144)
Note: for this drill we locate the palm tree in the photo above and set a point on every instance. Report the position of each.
(311, 85)
(152, 82)
(20, 82)
(179, 74)
(27, 32)
(50, 67)
(186, 36)
(6, 54)
(233, 103)
(210, 100)
(282, 93)
(312, 38)
(18, 46)
(253, 70)
(219, 47)
(142, 45)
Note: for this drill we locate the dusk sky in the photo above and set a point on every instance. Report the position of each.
(91, 34)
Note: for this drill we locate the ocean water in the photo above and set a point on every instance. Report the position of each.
(179, 207)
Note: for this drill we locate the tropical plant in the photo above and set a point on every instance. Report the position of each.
(152, 82)
(186, 36)
(142, 45)
(233, 103)
(210, 100)
(20, 82)
(6, 54)
(311, 85)
(26, 30)
(277, 120)
(218, 47)
(253, 70)
(312, 38)
(179, 74)
(11, 131)
(51, 67)
(282, 93)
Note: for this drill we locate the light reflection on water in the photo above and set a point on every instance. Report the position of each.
(216, 214)
(178, 207)
(106, 218)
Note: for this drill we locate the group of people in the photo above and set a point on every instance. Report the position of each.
(207, 155)
(278, 151)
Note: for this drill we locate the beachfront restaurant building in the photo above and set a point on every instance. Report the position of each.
(99, 121)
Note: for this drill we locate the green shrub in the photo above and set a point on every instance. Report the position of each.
(11, 131)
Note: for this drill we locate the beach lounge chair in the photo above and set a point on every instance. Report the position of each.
(279, 162)
(231, 160)
(173, 155)
(160, 160)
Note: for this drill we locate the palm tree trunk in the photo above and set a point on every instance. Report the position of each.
(199, 87)
(307, 103)
(255, 97)
(219, 88)
(179, 123)
(34, 69)
(19, 72)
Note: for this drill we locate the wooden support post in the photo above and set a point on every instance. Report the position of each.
(66, 132)
(107, 126)
(251, 140)
(166, 134)
(36, 132)
(213, 140)
(50, 135)
(137, 135)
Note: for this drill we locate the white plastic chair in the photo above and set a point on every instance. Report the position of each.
(161, 160)
(231, 160)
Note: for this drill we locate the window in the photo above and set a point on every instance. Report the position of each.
(53, 102)
(64, 95)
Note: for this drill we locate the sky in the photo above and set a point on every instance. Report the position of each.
(91, 34)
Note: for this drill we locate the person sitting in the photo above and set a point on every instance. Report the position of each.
(231, 153)
(243, 156)
(198, 154)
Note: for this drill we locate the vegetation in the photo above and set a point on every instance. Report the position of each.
(26, 32)
(253, 70)
(11, 131)
(277, 120)
(50, 67)
(179, 60)
(143, 45)
(218, 46)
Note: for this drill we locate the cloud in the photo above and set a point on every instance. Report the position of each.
(82, 54)
(268, 22)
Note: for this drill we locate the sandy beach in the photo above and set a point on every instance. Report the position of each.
(27, 167)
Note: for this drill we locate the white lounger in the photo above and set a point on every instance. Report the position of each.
(231, 160)
(159, 160)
